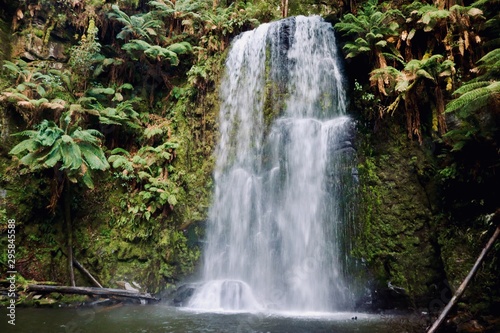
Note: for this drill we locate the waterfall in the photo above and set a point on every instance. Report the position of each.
(278, 234)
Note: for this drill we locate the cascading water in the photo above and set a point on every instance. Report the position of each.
(278, 229)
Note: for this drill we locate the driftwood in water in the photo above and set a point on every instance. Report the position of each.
(464, 284)
(86, 272)
(105, 292)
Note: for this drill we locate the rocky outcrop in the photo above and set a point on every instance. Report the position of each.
(31, 48)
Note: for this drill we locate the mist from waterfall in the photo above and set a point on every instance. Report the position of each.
(279, 228)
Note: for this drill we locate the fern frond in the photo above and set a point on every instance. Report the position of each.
(180, 48)
(471, 86)
(120, 150)
(29, 144)
(71, 155)
(474, 99)
(94, 156)
(52, 157)
(490, 58)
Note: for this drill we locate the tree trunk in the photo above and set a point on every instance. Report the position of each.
(381, 64)
(352, 7)
(464, 284)
(86, 272)
(440, 107)
(91, 291)
(284, 8)
(69, 230)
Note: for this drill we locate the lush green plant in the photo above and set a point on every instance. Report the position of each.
(150, 180)
(373, 31)
(141, 26)
(135, 48)
(384, 33)
(416, 76)
(68, 149)
(85, 56)
(478, 99)
(110, 105)
(34, 90)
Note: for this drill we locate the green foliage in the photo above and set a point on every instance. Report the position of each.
(150, 179)
(85, 55)
(72, 149)
(371, 29)
(426, 15)
(110, 105)
(475, 107)
(474, 96)
(33, 87)
(141, 26)
(18, 71)
(179, 253)
(135, 48)
(420, 74)
(430, 71)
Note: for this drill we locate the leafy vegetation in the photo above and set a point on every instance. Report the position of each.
(68, 149)
(420, 74)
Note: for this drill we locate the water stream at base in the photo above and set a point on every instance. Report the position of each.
(279, 226)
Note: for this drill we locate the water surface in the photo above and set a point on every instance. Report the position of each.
(166, 319)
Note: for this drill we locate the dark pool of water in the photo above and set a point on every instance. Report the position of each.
(166, 319)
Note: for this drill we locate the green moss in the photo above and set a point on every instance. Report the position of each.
(71, 299)
(395, 217)
(38, 32)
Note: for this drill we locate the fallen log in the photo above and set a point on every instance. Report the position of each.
(86, 272)
(105, 292)
(464, 284)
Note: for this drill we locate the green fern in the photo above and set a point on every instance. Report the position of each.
(474, 97)
(74, 150)
(481, 91)
(135, 26)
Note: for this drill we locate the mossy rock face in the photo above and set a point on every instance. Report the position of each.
(396, 236)
(125, 251)
(33, 47)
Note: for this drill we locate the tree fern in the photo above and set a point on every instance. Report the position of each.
(480, 91)
(478, 99)
(163, 7)
(72, 149)
(475, 96)
(135, 26)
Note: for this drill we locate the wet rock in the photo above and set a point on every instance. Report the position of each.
(183, 294)
(56, 51)
(127, 286)
(33, 48)
(389, 298)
